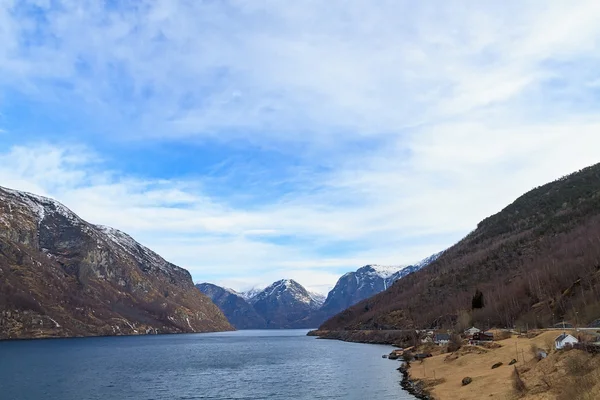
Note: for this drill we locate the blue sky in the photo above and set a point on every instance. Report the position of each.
(250, 141)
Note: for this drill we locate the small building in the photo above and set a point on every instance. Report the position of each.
(483, 337)
(441, 339)
(564, 340)
(471, 331)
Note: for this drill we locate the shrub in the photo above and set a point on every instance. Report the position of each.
(576, 364)
(518, 383)
(455, 343)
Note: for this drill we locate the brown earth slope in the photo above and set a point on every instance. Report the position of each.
(537, 261)
(62, 276)
(563, 375)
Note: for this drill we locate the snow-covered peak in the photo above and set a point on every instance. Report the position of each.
(383, 271)
(291, 289)
(426, 261)
(248, 295)
(40, 205)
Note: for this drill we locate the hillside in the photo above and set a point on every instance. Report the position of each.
(62, 276)
(238, 311)
(563, 375)
(286, 304)
(535, 262)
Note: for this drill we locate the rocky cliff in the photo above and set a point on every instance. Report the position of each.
(62, 276)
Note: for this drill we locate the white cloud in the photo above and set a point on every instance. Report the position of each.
(425, 118)
(291, 72)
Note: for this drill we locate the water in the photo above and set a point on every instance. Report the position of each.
(233, 365)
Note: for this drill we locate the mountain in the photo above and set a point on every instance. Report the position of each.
(250, 294)
(265, 308)
(356, 286)
(286, 304)
(62, 276)
(366, 282)
(534, 262)
(238, 311)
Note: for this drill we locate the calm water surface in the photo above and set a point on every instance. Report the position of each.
(233, 365)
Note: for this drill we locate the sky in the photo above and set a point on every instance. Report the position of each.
(249, 141)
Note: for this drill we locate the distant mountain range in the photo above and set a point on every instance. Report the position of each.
(287, 304)
(63, 276)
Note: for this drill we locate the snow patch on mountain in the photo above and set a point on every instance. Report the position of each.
(317, 298)
(249, 295)
(291, 288)
(385, 271)
(139, 252)
(43, 205)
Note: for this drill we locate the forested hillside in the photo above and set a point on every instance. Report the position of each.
(534, 263)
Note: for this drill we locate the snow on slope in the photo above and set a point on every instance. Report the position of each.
(290, 288)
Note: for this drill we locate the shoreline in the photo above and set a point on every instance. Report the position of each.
(38, 338)
(398, 338)
(413, 387)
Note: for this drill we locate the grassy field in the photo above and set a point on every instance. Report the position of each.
(563, 375)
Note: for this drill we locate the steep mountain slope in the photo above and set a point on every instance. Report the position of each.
(536, 261)
(286, 304)
(356, 286)
(238, 311)
(364, 283)
(62, 276)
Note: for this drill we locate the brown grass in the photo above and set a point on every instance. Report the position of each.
(568, 375)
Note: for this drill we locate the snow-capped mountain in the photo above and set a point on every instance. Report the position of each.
(287, 304)
(365, 282)
(63, 276)
(283, 304)
(289, 289)
(248, 295)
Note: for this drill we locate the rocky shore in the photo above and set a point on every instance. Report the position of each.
(416, 388)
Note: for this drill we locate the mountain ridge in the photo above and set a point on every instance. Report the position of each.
(315, 308)
(534, 261)
(63, 276)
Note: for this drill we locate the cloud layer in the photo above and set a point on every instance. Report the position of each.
(325, 135)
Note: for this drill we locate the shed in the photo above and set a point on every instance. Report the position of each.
(483, 337)
(564, 340)
(471, 331)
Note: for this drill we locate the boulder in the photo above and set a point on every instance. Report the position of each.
(513, 361)
(496, 365)
(466, 381)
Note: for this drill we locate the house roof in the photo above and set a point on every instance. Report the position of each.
(563, 337)
(442, 336)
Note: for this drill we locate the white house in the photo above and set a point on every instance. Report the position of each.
(441, 339)
(563, 340)
(471, 331)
